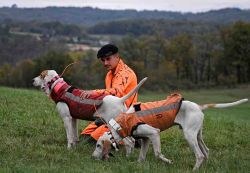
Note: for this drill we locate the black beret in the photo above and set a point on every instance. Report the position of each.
(107, 50)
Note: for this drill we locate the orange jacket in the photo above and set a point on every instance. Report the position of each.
(95, 131)
(159, 114)
(121, 82)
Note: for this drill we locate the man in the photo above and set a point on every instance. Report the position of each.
(119, 80)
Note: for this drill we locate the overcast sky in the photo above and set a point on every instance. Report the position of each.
(166, 5)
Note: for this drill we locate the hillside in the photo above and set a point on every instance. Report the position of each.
(91, 16)
(33, 138)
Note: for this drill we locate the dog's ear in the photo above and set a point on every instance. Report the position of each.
(44, 74)
(106, 149)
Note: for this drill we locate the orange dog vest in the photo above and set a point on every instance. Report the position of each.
(159, 114)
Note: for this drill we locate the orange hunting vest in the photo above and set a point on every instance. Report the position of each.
(159, 114)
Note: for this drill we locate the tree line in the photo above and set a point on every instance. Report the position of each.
(183, 61)
(90, 16)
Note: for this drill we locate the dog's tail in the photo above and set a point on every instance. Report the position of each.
(223, 105)
(124, 98)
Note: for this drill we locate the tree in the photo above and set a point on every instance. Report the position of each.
(25, 73)
(5, 74)
(181, 53)
(206, 47)
(236, 42)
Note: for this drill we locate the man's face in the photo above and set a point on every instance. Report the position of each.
(110, 62)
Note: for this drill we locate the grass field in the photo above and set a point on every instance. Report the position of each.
(33, 138)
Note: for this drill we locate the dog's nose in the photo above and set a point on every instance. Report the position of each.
(94, 157)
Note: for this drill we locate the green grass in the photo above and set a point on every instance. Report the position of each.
(33, 138)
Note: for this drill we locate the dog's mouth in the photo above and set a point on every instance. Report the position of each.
(43, 88)
(104, 156)
(107, 156)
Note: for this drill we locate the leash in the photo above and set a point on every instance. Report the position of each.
(112, 139)
(132, 100)
(99, 115)
(59, 76)
(76, 62)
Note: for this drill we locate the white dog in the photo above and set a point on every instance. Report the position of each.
(189, 116)
(73, 104)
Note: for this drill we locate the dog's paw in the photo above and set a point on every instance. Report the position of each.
(71, 146)
(140, 160)
(164, 159)
(170, 162)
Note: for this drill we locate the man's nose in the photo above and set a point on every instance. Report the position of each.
(105, 62)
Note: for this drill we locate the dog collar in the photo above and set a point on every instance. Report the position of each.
(117, 128)
(113, 142)
(50, 83)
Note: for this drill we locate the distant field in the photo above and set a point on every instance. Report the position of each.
(33, 138)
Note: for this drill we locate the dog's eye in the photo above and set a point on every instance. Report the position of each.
(98, 145)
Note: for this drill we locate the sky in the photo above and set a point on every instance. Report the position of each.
(164, 5)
